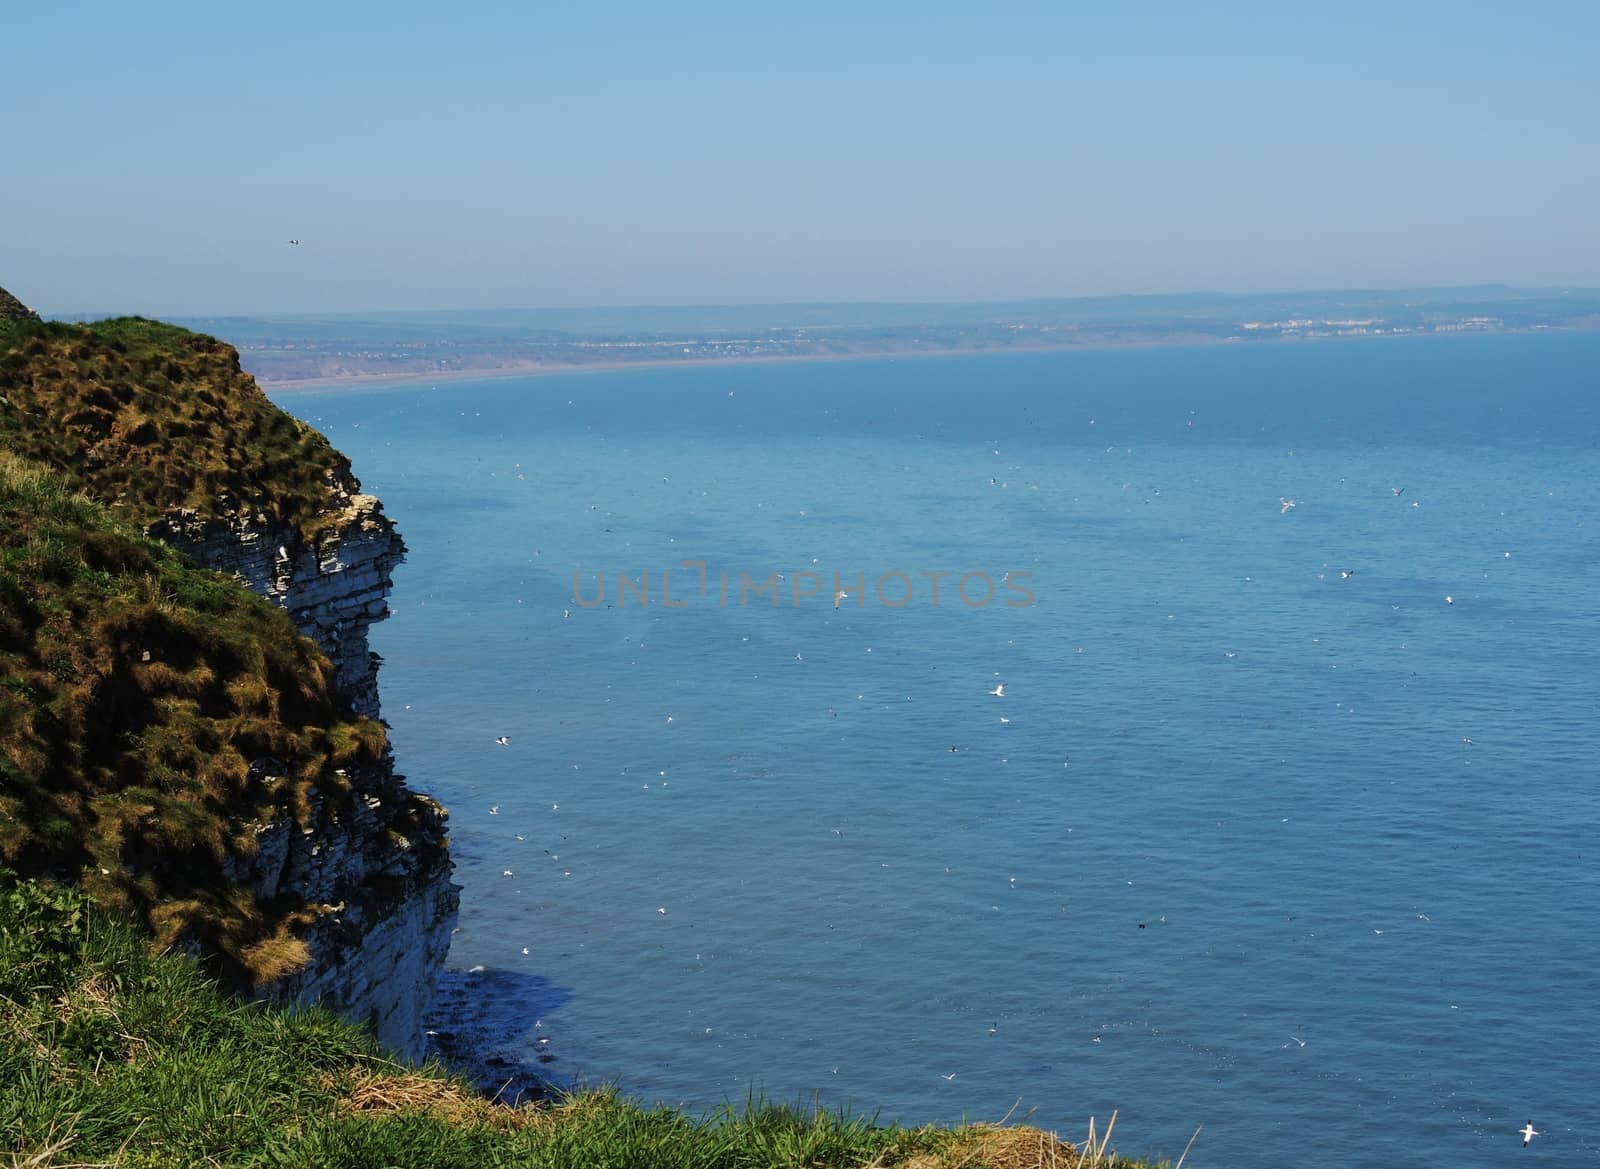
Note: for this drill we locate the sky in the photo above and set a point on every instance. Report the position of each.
(157, 158)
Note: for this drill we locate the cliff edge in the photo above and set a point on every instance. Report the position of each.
(12, 309)
(312, 871)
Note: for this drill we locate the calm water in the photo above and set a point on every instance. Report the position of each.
(1232, 861)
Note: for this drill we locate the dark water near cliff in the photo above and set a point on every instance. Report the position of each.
(1232, 861)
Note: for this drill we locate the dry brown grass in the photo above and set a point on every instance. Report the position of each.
(986, 1146)
(50, 1157)
(275, 957)
(386, 1090)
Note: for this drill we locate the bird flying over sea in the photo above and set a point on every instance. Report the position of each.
(1528, 1133)
(1285, 505)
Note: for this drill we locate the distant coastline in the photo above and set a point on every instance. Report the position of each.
(519, 369)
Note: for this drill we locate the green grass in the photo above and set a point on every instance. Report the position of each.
(154, 419)
(113, 1055)
(151, 715)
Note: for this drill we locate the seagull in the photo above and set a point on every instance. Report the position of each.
(999, 691)
(840, 595)
(1449, 600)
(1287, 504)
(494, 811)
(503, 741)
(1398, 491)
(1345, 574)
(295, 242)
(952, 1076)
(1298, 1040)
(1528, 1133)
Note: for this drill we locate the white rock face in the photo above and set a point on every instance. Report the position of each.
(334, 590)
(373, 861)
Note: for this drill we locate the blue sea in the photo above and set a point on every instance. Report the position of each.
(1283, 827)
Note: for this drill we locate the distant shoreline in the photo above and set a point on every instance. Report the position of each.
(541, 369)
(544, 368)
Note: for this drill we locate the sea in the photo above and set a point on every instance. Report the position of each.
(1242, 776)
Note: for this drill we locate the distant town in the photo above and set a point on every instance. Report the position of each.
(291, 350)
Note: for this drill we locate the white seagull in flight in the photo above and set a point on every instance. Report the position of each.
(1528, 1133)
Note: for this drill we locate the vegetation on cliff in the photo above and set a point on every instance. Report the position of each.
(151, 715)
(113, 1056)
(154, 420)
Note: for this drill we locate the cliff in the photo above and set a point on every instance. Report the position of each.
(332, 878)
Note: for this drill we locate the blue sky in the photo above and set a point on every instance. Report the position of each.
(158, 157)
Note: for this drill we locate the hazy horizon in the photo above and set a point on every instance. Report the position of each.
(429, 160)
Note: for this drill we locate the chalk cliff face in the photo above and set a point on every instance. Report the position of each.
(334, 586)
(378, 865)
(379, 872)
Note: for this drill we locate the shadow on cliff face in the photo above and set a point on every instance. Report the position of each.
(485, 1024)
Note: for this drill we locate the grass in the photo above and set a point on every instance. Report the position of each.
(112, 1055)
(155, 420)
(152, 715)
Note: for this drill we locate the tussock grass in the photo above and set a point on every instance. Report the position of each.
(152, 418)
(113, 1056)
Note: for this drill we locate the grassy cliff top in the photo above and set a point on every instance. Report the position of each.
(153, 419)
(151, 713)
(111, 1056)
